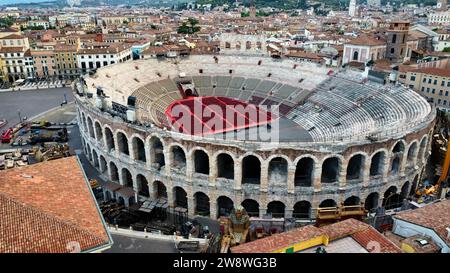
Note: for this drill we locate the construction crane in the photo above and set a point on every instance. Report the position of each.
(433, 189)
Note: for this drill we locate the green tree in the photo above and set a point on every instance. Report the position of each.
(447, 49)
(189, 29)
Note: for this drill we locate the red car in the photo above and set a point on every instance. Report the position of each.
(7, 136)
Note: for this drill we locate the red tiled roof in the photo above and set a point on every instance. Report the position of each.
(435, 216)
(364, 234)
(278, 241)
(433, 71)
(57, 189)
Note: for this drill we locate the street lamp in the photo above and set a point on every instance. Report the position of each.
(20, 118)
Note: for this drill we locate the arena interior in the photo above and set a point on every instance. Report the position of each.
(334, 139)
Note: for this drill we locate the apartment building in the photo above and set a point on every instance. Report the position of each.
(13, 63)
(14, 40)
(66, 60)
(433, 83)
(44, 62)
(95, 57)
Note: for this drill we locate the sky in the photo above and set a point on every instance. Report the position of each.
(2, 2)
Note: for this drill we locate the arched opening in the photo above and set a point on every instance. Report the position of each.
(392, 199)
(201, 162)
(157, 152)
(83, 122)
(227, 45)
(224, 206)
(355, 56)
(423, 147)
(405, 190)
(201, 201)
(225, 166)
(251, 170)
(399, 147)
(330, 170)
(251, 207)
(179, 157)
(259, 45)
(91, 128)
(328, 203)
(121, 201)
(377, 163)
(159, 190)
(95, 159)
(122, 141)
(302, 210)
(352, 201)
(278, 171)
(238, 45)
(127, 178)
(413, 189)
(248, 45)
(355, 167)
(304, 172)
(395, 165)
(372, 201)
(114, 172)
(98, 131)
(411, 154)
(276, 209)
(103, 165)
(180, 197)
(109, 138)
(142, 183)
(138, 149)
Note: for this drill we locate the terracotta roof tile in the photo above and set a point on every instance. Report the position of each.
(57, 188)
(435, 216)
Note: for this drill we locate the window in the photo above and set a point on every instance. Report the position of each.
(446, 93)
(428, 90)
(440, 92)
(423, 88)
(355, 55)
(429, 81)
(433, 91)
(439, 101)
(445, 102)
(435, 82)
(443, 83)
(394, 39)
(413, 78)
(392, 50)
(424, 79)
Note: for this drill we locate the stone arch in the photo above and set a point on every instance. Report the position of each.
(142, 185)
(238, 45)
(224, 206)
(159, 190)
(304, 171)
(122, 142)
(371, 202)
(330, 169)
(103, 164)
(109, 139)
(127, 178)
(405, 190)
(95, 158)
(377, 163)
(414, 185)
(98, 131)
(180, 197)
(157, 151)
(248, 45)
(113, 172)
(251, 169)
(276, 209)
(327, 203)
(202, 206)
(90, 127)
(178, 155)
(83, 121)
(391, 198)
(278, 170)
(352, 201)
(225, 165)
(355, 167)
(423, 148)
(201, 161)
(251, 207)
(411, 156)
(397, 156)
(302, 210)
(138, 148)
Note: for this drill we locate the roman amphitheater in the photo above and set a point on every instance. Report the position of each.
(339, 140)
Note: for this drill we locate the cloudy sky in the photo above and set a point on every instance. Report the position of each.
(20, 1)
